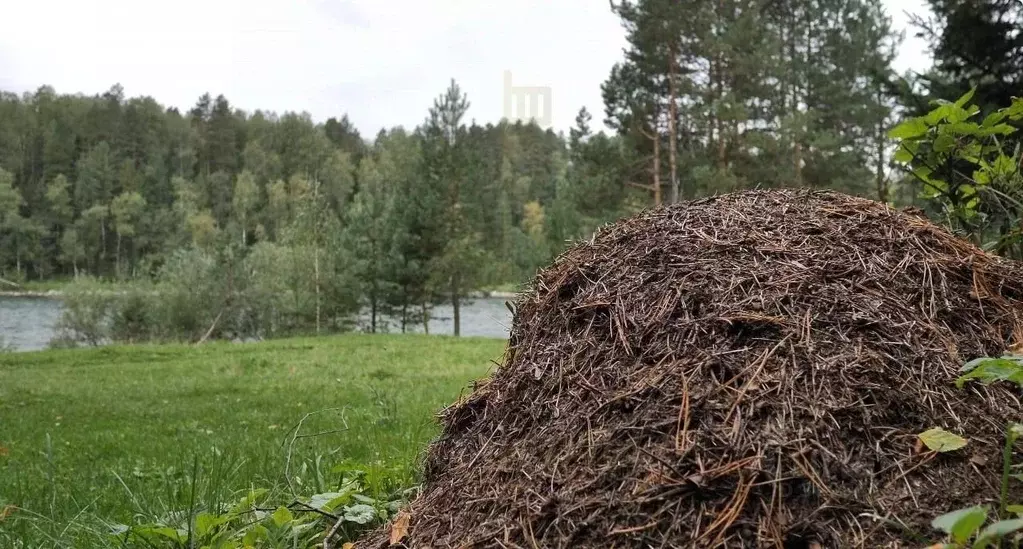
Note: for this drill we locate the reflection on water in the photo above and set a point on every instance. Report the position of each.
(484, 317)
(27, 323)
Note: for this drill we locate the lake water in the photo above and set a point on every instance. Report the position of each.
(27, 323)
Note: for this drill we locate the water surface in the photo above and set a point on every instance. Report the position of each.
(28, 323)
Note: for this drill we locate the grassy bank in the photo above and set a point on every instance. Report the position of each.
(129, 434)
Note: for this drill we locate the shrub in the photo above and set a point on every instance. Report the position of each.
(87, 313)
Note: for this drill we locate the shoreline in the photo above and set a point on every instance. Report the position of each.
(52, 294)
(57, 294)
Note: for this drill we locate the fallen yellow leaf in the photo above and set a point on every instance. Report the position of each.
(400, 527)
(348, 545)
(7, 511)
(4, 451)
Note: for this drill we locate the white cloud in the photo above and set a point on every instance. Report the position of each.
(381, 61)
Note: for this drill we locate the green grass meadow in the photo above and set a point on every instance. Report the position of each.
(91, 438)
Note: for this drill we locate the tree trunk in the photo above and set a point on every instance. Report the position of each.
(456, 305)
(883, 190)
(797, 161)
(102, 245)
(117, 256)
(373, 308)
(722, 147)
(656, 137)
(404, 310)
(426, 319)
(316, 249)
(672, 130)
(316, 268)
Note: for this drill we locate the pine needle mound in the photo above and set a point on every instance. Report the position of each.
(748, 370)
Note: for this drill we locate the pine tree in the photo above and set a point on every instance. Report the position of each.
(454, 255)
(975, 43)
(345, 136)
(370, 231)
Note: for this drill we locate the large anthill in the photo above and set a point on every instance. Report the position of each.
(749, 370)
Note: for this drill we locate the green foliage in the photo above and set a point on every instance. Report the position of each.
(715, 96)
(964, 167)
(989, 370)
(974, 44)
(191, 290)
(966, 528)
(970, 528)
(255, 521)
(86, 317)
(118, 188)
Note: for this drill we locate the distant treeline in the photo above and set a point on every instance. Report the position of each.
(709, 97)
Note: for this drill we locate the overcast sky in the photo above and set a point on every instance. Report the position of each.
(381, 61)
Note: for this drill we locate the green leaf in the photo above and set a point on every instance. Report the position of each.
(162, 531)
(914, 127)
(940, 440)
(245, 504)
(990, 370)
(965, 98)
(963, 523)
(204, 522)
(924, 172)
(1015, 110)
(328, 501)
(1004, 165)
(257, 533)
(282, 516)
(1015, 509)
(998, 129)
(997, 531)
(939, 114)
(964, 128)
(956, 115)
(360, 513)
(903, 155)
(972, 151)
(994, 118)
(943, 143)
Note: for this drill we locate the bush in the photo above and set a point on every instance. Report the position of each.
(191, 292)
(133, 317)
(966, 171)
(87, 314)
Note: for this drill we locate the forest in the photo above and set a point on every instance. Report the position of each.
(280, 224)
